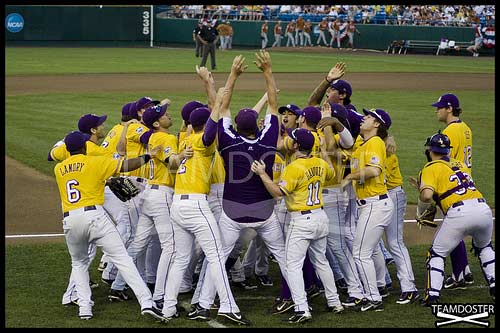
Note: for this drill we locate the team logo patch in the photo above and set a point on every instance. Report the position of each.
(166, 150)
(374, 160)
(282, 183)
(139, 130)
(105, 144)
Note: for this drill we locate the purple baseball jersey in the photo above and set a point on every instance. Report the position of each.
(245, 197)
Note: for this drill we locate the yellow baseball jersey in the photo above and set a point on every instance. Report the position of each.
(193, 175)
(393, 174)
(159, 172)
(440, 178)
(60, 153)
(370, 153)
(218, 172)
(278, 166)
(302, 182)
(460, 136)
(111, 140)
(339, 164)
(81, 179)
(182, 138)
(135, 148)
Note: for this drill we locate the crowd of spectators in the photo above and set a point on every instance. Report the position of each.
(435, 15)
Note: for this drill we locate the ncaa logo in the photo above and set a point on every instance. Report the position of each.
(14, 22)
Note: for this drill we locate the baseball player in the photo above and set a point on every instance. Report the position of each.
(394, 231)
(193, 219)
(278, 30)
(198, 45)
(246, 203)
(301, 184)
(478, 40)
(155, 213)
(448, 111)
(307, 33)
(299, 33)
(465, 214)
(81, 179)
(290, 29)
(375, 208)
(351, 29)
(335, 202)
(322, 27)
(263, 34)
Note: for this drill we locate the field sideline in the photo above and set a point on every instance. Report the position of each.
(101, 80)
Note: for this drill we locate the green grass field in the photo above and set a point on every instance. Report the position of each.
(36, 277)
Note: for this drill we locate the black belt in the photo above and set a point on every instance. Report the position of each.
(86, 208)
(155, 187)
(186, 197)
(324, 191)
(304, 212)
(461, 203)
(380, 197)
(140, 180)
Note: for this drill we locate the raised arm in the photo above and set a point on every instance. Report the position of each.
(336, 72)
(237, 68)
(263, 62)
(208, 83)
(262, 102)
(121, 146)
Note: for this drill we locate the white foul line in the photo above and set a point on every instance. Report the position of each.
(60, 235)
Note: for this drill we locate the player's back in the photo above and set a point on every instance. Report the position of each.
(460, 136)
(111, 140)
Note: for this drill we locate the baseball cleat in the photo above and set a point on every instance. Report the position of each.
(429, 300)
(313, 291)
(373, 305)
(408, 297)
(282, 306)
(469, 279)
(299, 317)
(93, 284)
(153, 312)
(383, 292)
(118, 295)
(451, 284)
(102, 266)
(86, 317)
(351, 301)
(235, 317)
(341, 284)
(335, 309)
(198, 313)
(245, 285)
(109, 282)
(265, 280)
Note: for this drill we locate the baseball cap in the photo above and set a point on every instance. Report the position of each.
(439, 143)
(126, 109)
(342, 86)
(292, 108)
(246, 120)
(199, 116)
(75, 140)
(153, 113)
(380, 115)
(144, 102)
(312, 114)
(189, 107)
(303, 137)
(447, 100)
(338, 111)
(89, 121)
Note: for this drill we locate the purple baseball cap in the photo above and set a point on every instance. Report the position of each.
(380, 115)
(312, 114)
(338, 111)
(144, 102)
(303, 137)
(342, 86)
(153, 113)
(89, 121)
(447, 100)
(126, 109)
(189, 107)
(246, 120)
(290, 107)
(199, 116)
(76, 140)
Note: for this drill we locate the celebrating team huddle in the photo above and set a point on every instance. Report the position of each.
(316, 187)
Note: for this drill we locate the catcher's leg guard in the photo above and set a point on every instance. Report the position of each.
(486, 257)
(435, 273)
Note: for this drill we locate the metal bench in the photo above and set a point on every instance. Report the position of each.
(419, 44)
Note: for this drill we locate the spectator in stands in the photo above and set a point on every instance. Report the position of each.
(322, 27)
(290, 29)
(278, 30)
(299, 34)
(208, 37)
(285, 9)
(263, 34)
(307, 33)
(196, 40)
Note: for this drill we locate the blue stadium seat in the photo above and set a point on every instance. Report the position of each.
(358, 17)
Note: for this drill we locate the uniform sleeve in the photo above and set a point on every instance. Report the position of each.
(169, 147)
(225, 132)
(330, 173)
(59, 152)
(134, 132)
(269, 133)
(428, 179)
(453, 135)
(288, 181)
(109, 167)
(374, 154)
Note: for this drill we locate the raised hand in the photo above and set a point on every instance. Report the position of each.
(204, 73)
(336, 72)
(238, 66)
(390, 145)
(263, 61)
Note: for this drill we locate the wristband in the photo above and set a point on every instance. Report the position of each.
(326, 79)
(146, 157)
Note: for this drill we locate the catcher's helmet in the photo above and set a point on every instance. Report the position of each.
(439, 143)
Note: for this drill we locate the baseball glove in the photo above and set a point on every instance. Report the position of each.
(426, 219)
(123, 188)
